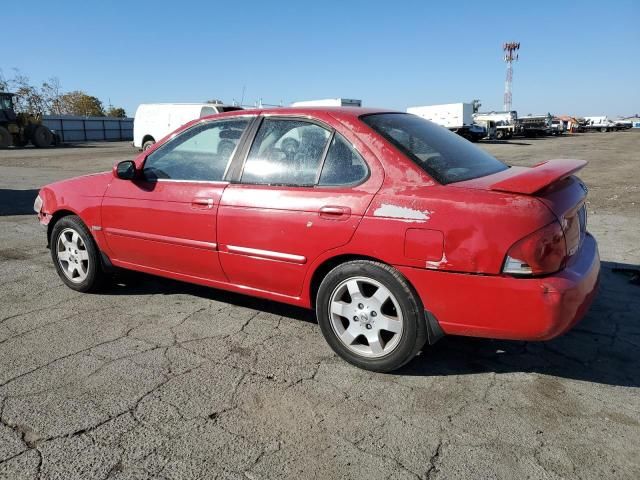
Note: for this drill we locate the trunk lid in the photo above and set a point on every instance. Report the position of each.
(553, 183)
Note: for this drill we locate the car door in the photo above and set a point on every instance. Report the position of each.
(296, 197)
(165, 220)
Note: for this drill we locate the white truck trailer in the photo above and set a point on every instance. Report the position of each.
(457, 117)
(329, 102)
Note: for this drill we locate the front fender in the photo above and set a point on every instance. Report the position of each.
(81, 196)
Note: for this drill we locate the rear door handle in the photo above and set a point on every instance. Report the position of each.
(335, 212)
(202, 202)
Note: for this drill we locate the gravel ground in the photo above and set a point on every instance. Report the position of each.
(158, 379)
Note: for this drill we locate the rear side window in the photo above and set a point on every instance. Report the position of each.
(444, 155)
(286, 152)
(343, 165)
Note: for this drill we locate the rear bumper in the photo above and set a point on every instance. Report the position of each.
(507, 307)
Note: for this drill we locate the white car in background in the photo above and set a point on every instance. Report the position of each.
(154, 121)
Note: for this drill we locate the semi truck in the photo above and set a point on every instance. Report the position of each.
(457, 117)
(506, 123)
(600, 124)
(536, 125)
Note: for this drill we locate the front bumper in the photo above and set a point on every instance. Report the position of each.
(507, 307)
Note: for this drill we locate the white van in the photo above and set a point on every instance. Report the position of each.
(155, 120)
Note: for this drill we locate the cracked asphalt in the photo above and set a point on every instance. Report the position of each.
(153, 378)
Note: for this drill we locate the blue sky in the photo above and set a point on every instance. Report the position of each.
(576, 57)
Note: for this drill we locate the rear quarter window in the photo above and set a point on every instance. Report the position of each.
(444, 155)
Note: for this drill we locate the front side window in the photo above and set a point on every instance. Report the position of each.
(286, 152)
(201, 153)
(444, 155)
(343, 165)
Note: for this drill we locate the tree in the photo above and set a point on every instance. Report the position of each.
(30, 98)
(116, 112)
(48, 98)
(51, 91)
(4, 83)
(215, 101)
(476, 105)
(80, 103)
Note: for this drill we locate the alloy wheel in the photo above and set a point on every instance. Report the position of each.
(73, 256)
(366, 317)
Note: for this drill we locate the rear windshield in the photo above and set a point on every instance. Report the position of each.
(444, 155)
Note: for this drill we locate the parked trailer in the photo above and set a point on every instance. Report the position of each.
(78, 129)
(329, 102)
(599, 124)
(506, 123)
(536, 125)
(155, 120)
(457, 117)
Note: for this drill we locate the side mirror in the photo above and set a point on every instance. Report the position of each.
(126, 170)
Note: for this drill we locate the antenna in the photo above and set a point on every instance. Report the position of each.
(510, 55)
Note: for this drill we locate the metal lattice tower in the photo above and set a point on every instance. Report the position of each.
(510, 55)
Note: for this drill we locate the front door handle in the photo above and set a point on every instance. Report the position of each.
(335, 212)
(202, 202)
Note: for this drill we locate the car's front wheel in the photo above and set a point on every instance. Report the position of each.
(370, 315)
(75, 255)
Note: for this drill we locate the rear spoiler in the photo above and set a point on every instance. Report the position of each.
(531, 180)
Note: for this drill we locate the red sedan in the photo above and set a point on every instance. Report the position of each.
(393, 229)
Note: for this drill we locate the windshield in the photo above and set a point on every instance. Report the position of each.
(444, 155)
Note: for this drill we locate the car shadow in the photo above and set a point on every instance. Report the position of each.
(602, 348)
(136, 283)
(17, 202)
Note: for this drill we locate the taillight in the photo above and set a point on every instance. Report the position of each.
(542, 252)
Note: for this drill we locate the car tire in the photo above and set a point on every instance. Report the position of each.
(5, 138)
(147, 145)
(41, 137)
(370, 315)
(76, 255)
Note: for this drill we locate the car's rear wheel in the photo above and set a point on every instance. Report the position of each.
(75, 255)
(147, 145)
(370, 315)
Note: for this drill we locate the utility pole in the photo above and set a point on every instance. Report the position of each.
(510, 55)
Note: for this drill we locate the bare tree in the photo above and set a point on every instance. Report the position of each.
(51, 91)
(48, 98)
(476, 105)
(29, 98)
(4, 83)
